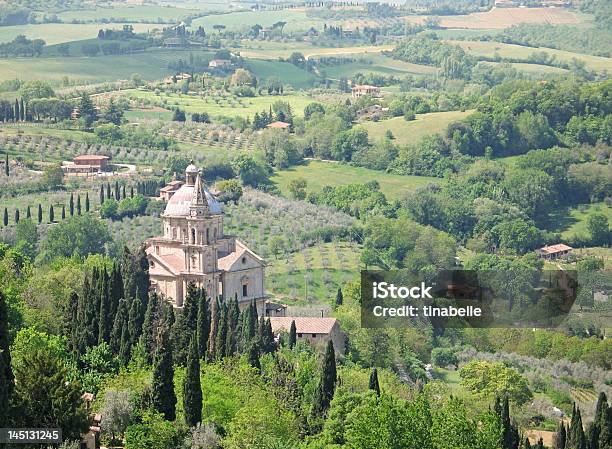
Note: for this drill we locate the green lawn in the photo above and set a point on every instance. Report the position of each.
(321, 173)
(489, 49)
(379, 64)
(575, 223)
(149, 64)
(312, 276)
(410, 132)
(534, 69)
(230, 107)
(242, 20)
(286, 72)
(57, 33)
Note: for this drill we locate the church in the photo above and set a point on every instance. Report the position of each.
(195, 249)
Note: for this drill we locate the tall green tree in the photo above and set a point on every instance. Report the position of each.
(71, 204)
(17, 216)
(292, 334)
(120, 319)
(560, 437)
(214, 327)
(45, 397)
(40, 213)
(87, 202)
(105, 322)
(87, 111)
(339, 297)
(220, 344)
(7, 380)
(102, 194)
(576, 438)
(7, 170)
(63, 212)
(203, 324)
(373, 384)
(164, 398)
(149, 326)
(192, 391)
(78, 204)
(136, 319)
(125, 347)
(5, 218)
(327, 382)
(254, 355)
(51, 214)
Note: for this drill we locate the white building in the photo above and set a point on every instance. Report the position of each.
(195, 249)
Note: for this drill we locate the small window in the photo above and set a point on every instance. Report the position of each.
(244, 290)
(314, 335)
(244, 260)
(299, 335)
(152, 264)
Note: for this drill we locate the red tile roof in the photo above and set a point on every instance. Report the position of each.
(92, 157)
(280, 125)
(304, 325)
(553, 249)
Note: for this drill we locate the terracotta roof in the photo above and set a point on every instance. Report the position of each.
(95, 157)
(281, 125)
(552, 249)
(225, 263)
(303, 325)
(175, 263)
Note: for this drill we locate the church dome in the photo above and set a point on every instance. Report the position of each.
(181, 202)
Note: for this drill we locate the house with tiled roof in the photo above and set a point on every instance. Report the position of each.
(554, 251)
(194, 248)
(314, 330)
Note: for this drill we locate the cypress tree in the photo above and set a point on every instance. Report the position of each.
(595, 427)
(254, 355)
(267, 337)
(373, 385)
(192, 391)
(17, 111)
(164, 398)
(40, 213)
(86, 201)
(123, 191)
(105, 321)
(125, 348)
(203, 324)
(132, 192)
(510, 435)
(149, 326)
(51, 214)
(526, 444)
(102, 194)
(214, 326)
(220, 344)
(292, 335)
(63, 212)
(7, 380)
(117, 194)
(115, 289)
(28, 213)
(71, 204)
(24, 115)
(79, 204)
(71, 323)
(190, 307)
(108, 191)
(339, 297)
(576, 436)
(136, 319)
(7, 170)
(5, 220)
(16, 216)
(327, 382)
(605, 437)
(120, 318)
(560, 437)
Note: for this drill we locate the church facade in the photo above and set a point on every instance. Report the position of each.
(195, 249)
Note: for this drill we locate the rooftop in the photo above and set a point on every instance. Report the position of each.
(303, 325)
(552, 249)
(90, 157)
(280, 125)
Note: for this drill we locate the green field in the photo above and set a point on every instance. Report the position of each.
(134, 12)
(312, 276)
(226, 107)
(410, 132)
(275, 50)
(490, 49)
(242, 20)
(149, 64)
(57, 33)
(379, 64)
(576, 219)
(322, 173)
(287, 73)
(533, 69)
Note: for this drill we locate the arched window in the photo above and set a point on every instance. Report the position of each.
(193, 236)
(207, 236)
(174, 233)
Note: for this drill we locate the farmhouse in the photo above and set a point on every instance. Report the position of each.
(279, 125)
(86, 163)
(554, 251)
(373, 112)
(313, 330)
(165, 193)
(195, 249)
(219, 63)
(361, 90)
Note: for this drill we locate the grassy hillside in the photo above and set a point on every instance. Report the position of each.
(288, 73)
(150, 65)
(296, 20)
(321, 173)
(576, 219)
(410, 132)
(489, 49)
(379, 64)
(228, 106)
(57, 33)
